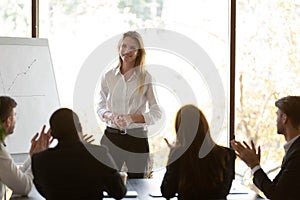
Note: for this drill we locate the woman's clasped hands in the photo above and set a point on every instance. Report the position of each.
(122, 121)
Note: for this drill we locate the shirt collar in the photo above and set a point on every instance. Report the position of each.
(289, 143)
(118, 71)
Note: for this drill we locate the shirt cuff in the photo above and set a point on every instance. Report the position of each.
(254, 169)
(100, 113)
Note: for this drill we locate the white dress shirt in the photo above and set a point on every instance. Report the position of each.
(121, 96)
(19, 180)
(287, 145)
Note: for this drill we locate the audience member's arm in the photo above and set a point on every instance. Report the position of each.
(14, 178)
(26, 165)
(282, 185)
(155, 112)
(88, 138)
(285, 183)
(19, 180)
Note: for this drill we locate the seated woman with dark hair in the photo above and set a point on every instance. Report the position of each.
(197, 167)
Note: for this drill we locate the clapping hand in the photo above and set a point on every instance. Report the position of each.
(248, 154)
(40, 141)
(168, 144)
(88, 138)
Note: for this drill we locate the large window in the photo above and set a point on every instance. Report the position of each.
(15, 18)
(267, 56)
(76, 28)
(267, 61)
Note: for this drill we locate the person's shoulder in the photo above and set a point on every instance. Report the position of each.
(223, 148)
(41, 157)
(176, 153)
(111, 71)
(297, 143)
(41, 154)
(148, 78)
(101, 154)
(4, 152)
(225, 152)
(295, 148)
(148, 75)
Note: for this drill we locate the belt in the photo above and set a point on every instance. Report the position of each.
(123, 132)
(114, 130)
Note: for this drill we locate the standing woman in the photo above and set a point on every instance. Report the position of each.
(126, 91)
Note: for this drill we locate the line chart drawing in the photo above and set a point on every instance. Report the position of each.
(21, 74)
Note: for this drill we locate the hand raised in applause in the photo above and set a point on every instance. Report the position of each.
(40, 141)
(168, 143)
(88, 138)
(248, 154)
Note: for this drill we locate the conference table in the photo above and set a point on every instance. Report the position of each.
(149, 189)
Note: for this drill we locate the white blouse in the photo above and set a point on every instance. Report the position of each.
(121, 96)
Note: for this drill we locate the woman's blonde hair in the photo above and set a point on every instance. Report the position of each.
(140, 59)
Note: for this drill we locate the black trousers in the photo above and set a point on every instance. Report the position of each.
(131, 148)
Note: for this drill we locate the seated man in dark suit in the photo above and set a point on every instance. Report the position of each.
(72, 169)
(287, 183)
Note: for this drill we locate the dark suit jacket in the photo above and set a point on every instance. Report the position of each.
(171, 181)
(286, 185)
(71, 172)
